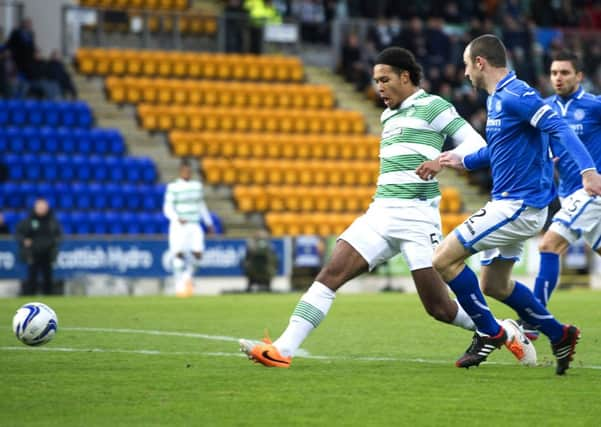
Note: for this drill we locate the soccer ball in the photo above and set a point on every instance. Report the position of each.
(35, 323)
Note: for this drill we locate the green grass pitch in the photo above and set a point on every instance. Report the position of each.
(377, 360)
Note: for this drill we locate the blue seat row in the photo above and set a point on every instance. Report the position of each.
(16, 112)
(61, 140)
(84, 197)
(108, 222)
(45, 167)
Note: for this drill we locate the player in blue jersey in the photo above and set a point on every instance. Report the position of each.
(517, 153)
(580, 212)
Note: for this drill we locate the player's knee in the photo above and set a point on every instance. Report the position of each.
(440, 264)
(547, 245)
(496, 292)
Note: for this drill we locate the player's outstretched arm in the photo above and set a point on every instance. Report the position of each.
(452, 160)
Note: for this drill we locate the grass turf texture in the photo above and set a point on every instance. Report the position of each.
(204, 381)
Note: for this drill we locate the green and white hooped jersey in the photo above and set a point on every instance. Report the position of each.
(185, 200)
(411, 135)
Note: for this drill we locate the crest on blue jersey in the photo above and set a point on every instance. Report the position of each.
(579, 114)
(498, 106)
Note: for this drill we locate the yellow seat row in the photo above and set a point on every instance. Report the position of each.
(274, 145)
(211, 66)
(259, 198)
(330, 223)
(165, 118)
(277, 198)
(294, 224)
(289, 172)
(134, 90)
(137, 4)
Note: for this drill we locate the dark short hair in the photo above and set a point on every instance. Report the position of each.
(401, 59)
(185, 163)
(491, 48)
(574, 59)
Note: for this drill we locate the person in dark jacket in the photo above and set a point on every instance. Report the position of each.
(38, 237)
(21, 44)
(260, 263)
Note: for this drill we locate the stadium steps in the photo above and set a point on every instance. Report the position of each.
(142, 143)
(348, 98)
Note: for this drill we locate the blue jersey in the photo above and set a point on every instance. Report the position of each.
(518, 147)
(582, 111)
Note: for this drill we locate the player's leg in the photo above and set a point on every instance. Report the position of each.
(449, 261)
(417, 246)
(178, 256)
(345, 264)
(357, 250)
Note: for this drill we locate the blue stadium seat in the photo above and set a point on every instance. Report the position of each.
(116, 200)
(133, 169)
(100, 172)
(130, 223)
(50, 140)
(99, 140)
(35, 113)
(116, 169)
(17, 113)
(80, 223)
(83, 172)
(114, 224)
(83, 141)
(133, 197)
(115, 139)
(65, 199)
(68, 143)
(51, 113)
(68, 114)
(4, 143)
(15, 138)
(11, 219)
(16, 170)
(33, 139)
(11, 197)
(4, 115)
(98, 224)
(46, 190)
(33, 169)
(84, 115)
(65, 168)
(49, 167)
(28, 195)
(81, 196)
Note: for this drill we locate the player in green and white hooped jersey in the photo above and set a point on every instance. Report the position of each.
(403, 217)
(184, 206)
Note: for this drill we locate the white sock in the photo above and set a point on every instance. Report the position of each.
(463, 320)
(308, 314)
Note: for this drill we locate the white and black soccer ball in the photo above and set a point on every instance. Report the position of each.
(35, 323)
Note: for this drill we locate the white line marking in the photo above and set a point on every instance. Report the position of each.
(301, 354)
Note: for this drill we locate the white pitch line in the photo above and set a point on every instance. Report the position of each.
(301, 353)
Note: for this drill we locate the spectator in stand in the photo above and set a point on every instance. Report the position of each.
(38, 237)
(22, 47)
(261, 12)
(236, 21)
(312, 17)
(413, 38)
(260, 263)
(57, 72)
(438, 44)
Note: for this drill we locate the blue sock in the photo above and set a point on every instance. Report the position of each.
(548, 273)
(469, 295)
(532, 311)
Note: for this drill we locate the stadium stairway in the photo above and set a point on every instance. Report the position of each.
(348, 98)
(142, 143)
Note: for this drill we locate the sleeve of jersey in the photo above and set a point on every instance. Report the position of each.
(168, 206)
(545, 119)
(205, 214)
(464, 136)
(478, 160)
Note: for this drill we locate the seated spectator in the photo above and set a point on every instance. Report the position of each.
(58, 73)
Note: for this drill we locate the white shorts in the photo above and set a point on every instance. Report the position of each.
(187, 237)
(579, 216)
(500, 229)
(383, 232)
